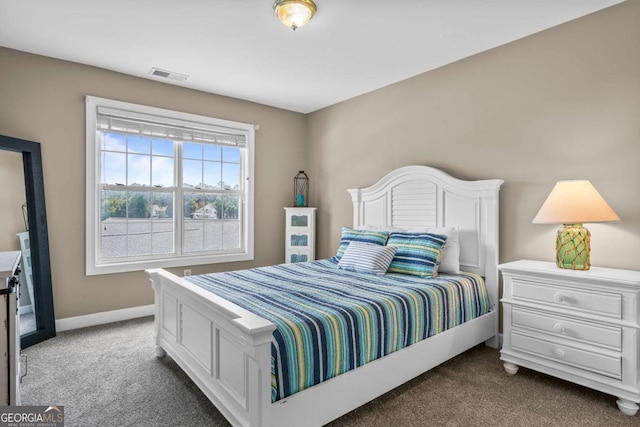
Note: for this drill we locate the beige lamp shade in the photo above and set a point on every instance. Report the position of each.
(574, 202)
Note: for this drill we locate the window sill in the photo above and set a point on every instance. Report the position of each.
(123, 267)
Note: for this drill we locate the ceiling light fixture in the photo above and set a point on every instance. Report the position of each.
(295, 13)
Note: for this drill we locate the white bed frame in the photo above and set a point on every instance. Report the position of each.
(226, 350)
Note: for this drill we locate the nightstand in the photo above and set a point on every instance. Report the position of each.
(581, 326)
(300, 232)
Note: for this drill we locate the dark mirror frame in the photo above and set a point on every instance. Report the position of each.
(39, 238)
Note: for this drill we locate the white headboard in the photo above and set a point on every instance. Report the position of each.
(414, 197)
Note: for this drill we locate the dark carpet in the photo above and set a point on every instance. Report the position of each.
(108, 375)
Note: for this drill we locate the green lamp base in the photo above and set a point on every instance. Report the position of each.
(573, 247)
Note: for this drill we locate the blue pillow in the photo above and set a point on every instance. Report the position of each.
(417, 254)
(350, 235)
(367, 258)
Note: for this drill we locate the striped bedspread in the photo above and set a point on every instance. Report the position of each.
(330, 321)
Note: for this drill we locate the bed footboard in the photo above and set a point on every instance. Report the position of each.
(224, 349)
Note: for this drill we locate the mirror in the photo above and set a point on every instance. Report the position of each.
(14, 228)
(37, 241)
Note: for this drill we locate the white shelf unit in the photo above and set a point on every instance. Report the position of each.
(300, 229)
(581, 326)
(27, 269)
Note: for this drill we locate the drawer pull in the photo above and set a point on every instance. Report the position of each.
(559, 353)
(559, 328)
(558, 297)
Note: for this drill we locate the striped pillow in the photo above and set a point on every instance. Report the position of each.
(417, 254)
(367, 258)
(350, 235)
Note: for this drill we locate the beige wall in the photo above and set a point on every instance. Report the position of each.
(564, 103)
(561, 104)
(43, 100)
(12, 196)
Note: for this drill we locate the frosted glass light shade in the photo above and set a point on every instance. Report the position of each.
(574, 202)
(294, 13)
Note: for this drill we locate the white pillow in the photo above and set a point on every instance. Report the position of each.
(450, 262)
(367, 258)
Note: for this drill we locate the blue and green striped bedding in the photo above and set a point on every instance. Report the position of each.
(330, 320)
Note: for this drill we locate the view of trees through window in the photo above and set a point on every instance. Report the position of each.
(140, 191)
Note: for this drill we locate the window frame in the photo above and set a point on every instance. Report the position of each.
(94, 265)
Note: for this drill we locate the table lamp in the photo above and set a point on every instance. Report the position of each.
(573, 203)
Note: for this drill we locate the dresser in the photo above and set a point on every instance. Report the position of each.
(300, 229)
(10, 329)
(581, 326)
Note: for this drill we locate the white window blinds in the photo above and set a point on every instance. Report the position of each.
(134, 123)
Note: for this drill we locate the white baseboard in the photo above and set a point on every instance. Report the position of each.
(104, 317)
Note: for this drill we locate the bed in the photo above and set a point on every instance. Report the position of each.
(227, 350)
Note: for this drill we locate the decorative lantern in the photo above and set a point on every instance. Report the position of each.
(301, 190)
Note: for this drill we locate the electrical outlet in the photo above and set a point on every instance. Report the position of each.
(187, 272)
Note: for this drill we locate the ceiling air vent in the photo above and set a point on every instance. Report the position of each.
(168, 74)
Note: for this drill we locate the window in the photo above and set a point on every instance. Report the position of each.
(165, 189)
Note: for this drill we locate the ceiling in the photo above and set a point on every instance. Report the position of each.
(238, 48)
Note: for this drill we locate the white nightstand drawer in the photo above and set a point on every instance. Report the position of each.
(565, 327)
(606, 303)
(595, 362)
